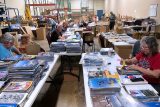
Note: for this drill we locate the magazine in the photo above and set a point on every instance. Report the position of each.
(25, 64)
(125, 70)
(3, 75)
(14, 58)
(142, 92)
(8, 99)
(18, 86)
(132, 79)
(4, 64)
(104, 86)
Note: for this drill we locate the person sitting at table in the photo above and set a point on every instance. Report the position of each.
(65, 26)
(147, 61)
(25, 40)
(7, 47)
(56, 34)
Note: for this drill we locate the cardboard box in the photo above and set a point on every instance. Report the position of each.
(123, 51)
(41, 33)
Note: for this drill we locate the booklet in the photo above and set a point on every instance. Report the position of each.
(18, 86)
(10, 99)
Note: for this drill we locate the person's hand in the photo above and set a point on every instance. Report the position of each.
(123, 62)
(135, 67)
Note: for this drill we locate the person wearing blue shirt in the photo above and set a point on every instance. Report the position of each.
(7, 46)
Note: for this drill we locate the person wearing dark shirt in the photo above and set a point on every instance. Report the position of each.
(112, 20)
(56, 34)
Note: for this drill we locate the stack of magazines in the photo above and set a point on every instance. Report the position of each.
(93, 59)
(104, 86)
(57, 47)
(26, 70)
(47, 56)
(9, 99)
(4, 64)
(14, 58)
(73, 48)
(18, 86)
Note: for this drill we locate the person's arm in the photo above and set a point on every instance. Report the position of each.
(154, 73)
(130, 61)
(15, 50)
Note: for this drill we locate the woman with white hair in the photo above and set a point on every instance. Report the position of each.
(7, 47)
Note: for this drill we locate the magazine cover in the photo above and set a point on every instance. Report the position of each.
(104, 86)
(142, 92)
(132, 79)
(8, 99)
(5, 64)
(3, 75)
(124, 70)
(18, 86)
(25, 64)
(14, 58)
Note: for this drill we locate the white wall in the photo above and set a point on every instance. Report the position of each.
(135, 8)
(98, 4)
(20, 4)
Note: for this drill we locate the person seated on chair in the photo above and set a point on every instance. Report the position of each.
(7, 47)
(25, 40)
(147, 61)
(56, 34)
(65, 26)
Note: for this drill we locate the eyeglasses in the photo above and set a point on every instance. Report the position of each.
(144, 47)
(7, 42)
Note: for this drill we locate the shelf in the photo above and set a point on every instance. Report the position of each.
(41, 4)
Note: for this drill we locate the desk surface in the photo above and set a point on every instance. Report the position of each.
(119, 39)
(127, 100)
(39, 86)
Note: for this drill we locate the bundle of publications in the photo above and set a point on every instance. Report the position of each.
(19, 86)
(14, 58)
(4, 64)
(125, 70)
(93, 59)
(73, 48)
(106, 101)
(3, 75)
(105, 86)
(142, 92)
(107, 51)
(47, 56)
(57, 47)
(10, 99)
(27, 70)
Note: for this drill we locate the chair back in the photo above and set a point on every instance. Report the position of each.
(33, 48)
(88, 37)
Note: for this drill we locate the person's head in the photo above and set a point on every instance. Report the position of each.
(25, 39)
(8, 40)
(65, 24)
(149, 45)
(59, 28)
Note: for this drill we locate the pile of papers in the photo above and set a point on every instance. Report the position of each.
(93, 59)
(73, 48)
(57, 47)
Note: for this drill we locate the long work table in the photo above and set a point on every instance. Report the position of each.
(110, 63)
(41, 83)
